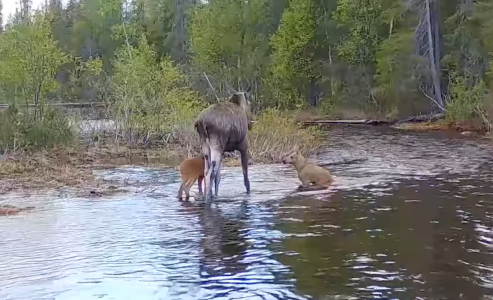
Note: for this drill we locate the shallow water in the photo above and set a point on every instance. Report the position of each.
(410, 217)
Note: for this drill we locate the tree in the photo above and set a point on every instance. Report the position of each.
(364, 20)
(429, 47)
(93, 30)
(25, 10)
(292, 65)
(229, 40)
(29, 61)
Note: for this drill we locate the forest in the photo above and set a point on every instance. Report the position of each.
(157, 63)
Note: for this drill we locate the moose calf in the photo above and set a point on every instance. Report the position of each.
(191, 169)
(308, 173)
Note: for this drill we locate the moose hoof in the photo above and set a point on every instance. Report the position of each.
(205, 197)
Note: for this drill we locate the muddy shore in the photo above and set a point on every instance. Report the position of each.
(73, 168)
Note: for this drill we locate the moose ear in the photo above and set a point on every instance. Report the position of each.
(235, 98)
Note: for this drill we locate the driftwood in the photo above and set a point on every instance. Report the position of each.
(415, 119)
(351, 122)
(345, 162)
(423, 118)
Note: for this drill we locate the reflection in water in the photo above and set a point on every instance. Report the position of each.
(396, 246)
(410, 217)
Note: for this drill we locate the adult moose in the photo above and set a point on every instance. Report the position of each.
(223, 127)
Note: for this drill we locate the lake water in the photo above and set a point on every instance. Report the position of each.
(410, 217)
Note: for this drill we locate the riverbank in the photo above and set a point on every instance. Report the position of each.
(433, 122)
(469, 129)
(73, 167)
(273, 135)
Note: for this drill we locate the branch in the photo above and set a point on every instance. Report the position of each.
(208, 81)
(483, 116)
(431, 98)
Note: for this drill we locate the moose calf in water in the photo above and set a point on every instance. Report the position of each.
(223, 127)
(308, 172)
(191, 169)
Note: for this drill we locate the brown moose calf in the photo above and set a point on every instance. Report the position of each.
(308, 173)
(191, 169)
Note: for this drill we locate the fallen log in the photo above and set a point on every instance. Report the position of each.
(349, 122)
(345, 162)
(414, 119)
(423, 118)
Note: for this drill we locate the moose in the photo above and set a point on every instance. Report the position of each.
(223, 127)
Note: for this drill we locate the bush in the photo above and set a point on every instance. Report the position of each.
(22, 131)
(153, 102)
(274, 135)
(466, 104)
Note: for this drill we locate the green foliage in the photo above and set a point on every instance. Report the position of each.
(292, 58)
(465, 103)
(29, 60)
(229, 39)
(364, 19)
(482, 12)
(93, 26)
(275, 134)
(146, 59)
(466, 57)
(21, 131)
(83, 76)
(151, 101)
(397, 73)
(365, 23)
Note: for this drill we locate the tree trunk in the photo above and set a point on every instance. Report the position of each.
(435, 72)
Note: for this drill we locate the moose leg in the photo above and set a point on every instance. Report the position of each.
(244, 166)
(200, 184)
(217, 179)
(208, 182)
(206, 151)
(216, 156)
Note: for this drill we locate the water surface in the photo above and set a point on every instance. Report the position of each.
(410, 217)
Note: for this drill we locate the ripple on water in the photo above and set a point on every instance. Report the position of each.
(409, 217)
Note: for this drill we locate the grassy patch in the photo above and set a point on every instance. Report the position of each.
(275, 134)
(43, 169)
(426, 126)
(71, 167)
(445, 125)
(21, 131)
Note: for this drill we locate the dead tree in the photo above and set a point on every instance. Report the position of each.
(429, 47)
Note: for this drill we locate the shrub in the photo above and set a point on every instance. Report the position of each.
(274, 135)
(22, 131)
(153, 102)
(466, 104)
